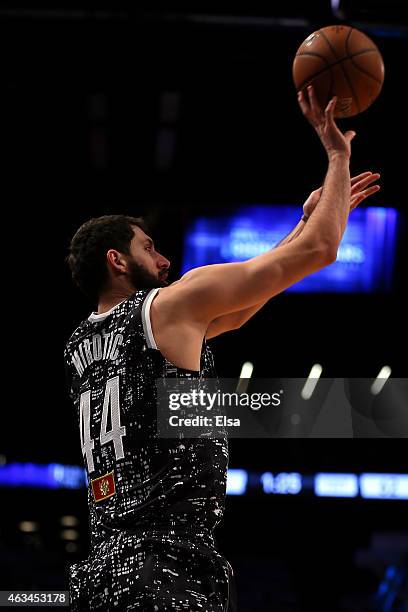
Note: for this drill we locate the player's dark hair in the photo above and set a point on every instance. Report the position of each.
(88, 248)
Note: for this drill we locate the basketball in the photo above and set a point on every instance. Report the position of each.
(340, 61)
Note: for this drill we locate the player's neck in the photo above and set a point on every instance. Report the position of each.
(112, 299)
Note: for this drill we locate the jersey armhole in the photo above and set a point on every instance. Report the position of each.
(170, 368)
(147, 325)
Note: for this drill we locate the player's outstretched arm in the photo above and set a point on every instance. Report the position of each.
(206, 293)
(331, 214)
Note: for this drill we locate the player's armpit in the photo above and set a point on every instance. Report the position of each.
(205, 293)
(223, 324)
(232, 320)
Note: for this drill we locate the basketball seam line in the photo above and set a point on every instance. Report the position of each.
(342, 68)
(339, 60)
(357, 66)
(366, 72)
(329, 65)
(346, 42)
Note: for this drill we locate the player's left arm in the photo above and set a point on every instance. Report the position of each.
(360, 189)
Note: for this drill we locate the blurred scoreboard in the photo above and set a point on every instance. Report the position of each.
(365, 258)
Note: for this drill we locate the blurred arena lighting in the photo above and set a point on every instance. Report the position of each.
(50, 476)
(246, 373)
(71, 547)
(246, 370)
(295, 419)
(69, 534)
(336, 485)
(237, 482)
(381, 379)
(69, 521)
(393, 588)
(381, 11)
(295, 9)
(383, 17)
(384, 486)
(382, 20)
(3, 459)
(28, 526)
(337, 9)
(311, 382)
(275, 21)
(240, 481)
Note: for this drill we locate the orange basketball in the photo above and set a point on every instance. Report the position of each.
(340, 61)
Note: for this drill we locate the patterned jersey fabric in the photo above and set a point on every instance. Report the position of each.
(153, 502)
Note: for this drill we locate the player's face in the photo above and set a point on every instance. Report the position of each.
(147, 267)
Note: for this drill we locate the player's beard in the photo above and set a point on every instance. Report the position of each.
(142, 278)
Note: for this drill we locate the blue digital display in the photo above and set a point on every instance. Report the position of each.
(283, 483)
(336, 485)
(49, 476)
(384, 486)
(323, 484)
(365, 259)
(237, 482)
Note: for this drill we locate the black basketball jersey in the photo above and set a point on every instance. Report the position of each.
(148, 496)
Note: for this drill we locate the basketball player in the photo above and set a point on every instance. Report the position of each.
(154, 503)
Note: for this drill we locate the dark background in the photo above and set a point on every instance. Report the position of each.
(170, 114)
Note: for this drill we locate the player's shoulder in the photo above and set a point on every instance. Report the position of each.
(97, 323)
(174, 293)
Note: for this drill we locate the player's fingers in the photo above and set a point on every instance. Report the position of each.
(314, 104)
(329, 111)
(362, 195)
(370, 190)
(303, 103)
(356, 201)
(358, 177)
(365, 182)
(349, 135)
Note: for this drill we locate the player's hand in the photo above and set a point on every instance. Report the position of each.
(361, 188)
(333, 140)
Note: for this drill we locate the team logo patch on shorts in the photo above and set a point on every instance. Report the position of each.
(103, 487)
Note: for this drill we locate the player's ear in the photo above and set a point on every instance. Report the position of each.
(116, 260)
